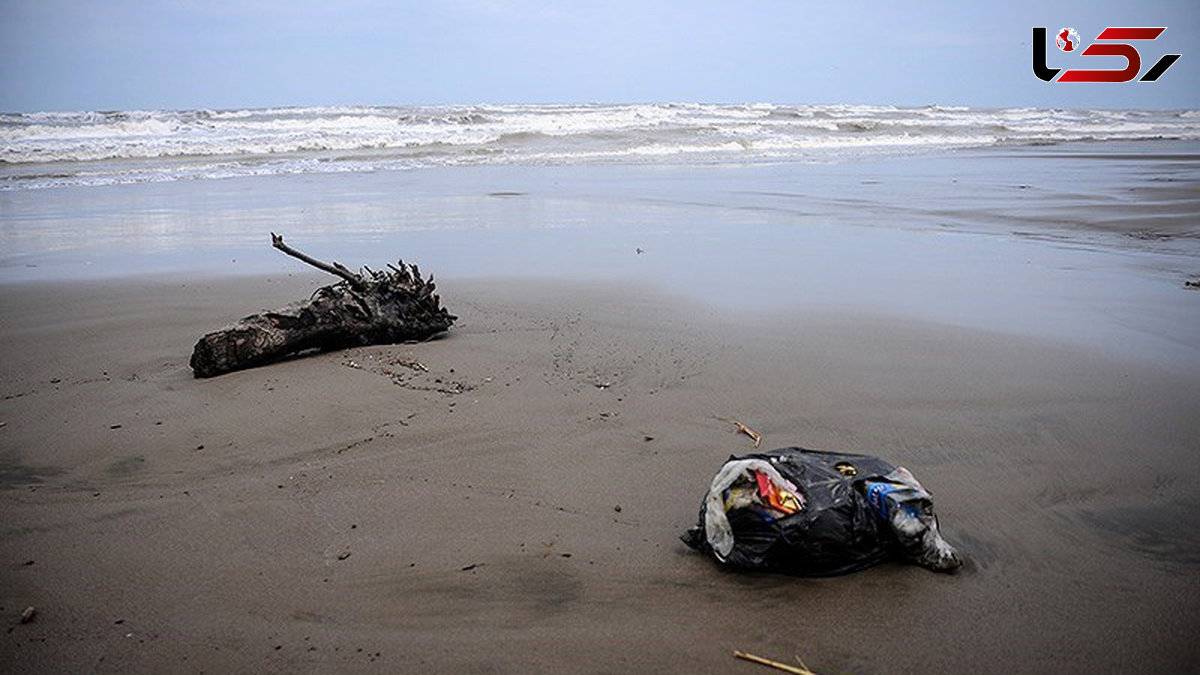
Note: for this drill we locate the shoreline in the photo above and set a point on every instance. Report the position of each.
(1003, 242)
(1135, 199)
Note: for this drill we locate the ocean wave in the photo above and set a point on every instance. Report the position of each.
(47, 149)
(859, 125)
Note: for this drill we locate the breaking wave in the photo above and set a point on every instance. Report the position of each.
(49, 149)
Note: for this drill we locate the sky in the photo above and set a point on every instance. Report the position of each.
(222, 54)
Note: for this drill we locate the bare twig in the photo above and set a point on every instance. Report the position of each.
(415, 365)
(742, 428)
(335, 268)
(773, 664)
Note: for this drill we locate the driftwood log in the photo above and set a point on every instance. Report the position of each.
(363, 309)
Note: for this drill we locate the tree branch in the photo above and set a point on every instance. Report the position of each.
(336, 268)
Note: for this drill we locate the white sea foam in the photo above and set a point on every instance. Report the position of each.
(49, 149)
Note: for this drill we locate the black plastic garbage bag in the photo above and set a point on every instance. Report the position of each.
(816, 513)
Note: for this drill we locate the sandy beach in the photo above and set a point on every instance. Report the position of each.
(508, 498)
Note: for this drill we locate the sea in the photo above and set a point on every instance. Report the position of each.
(59, 149)
(1080, 226)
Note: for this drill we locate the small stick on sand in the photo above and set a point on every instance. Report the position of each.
(415, 365)
(773, 664)
(742, 428)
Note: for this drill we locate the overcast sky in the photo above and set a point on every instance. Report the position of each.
(128, 54)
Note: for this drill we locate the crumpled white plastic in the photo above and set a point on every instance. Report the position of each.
(716, 523)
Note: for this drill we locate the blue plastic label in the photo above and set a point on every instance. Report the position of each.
(877, 496)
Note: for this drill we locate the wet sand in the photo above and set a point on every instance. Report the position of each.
(516, 507)
(1012, 326)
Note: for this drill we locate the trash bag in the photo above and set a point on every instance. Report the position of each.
(816, 513)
